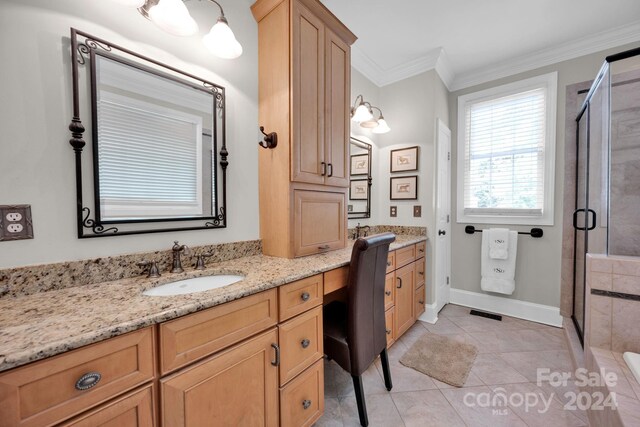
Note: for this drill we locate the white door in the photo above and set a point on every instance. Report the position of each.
(442, 234)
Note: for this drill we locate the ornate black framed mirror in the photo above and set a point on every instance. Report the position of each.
(359, 205)
(158, 157)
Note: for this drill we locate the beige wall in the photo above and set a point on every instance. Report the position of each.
(539, 260)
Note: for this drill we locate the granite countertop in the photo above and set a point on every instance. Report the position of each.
(44, 324)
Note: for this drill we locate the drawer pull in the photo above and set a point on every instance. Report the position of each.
(399, 283)
(305, 343)
(388, 263)
(324, 247)
(387, 293)
(324, 168)
(420, 302)
(421, 250)
(421, 273)
(306, 404)
(388, 331)
(88, 381)
(305, 296)
(277, 349)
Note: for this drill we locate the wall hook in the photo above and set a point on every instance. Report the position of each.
(270, 139)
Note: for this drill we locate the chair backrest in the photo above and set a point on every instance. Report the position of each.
(366, 330)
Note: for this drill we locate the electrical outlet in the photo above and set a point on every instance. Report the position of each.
(15, 222)
(393, 211)
(417, 211)
(349, 208)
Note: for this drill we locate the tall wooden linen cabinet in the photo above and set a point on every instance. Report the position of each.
(304, 96)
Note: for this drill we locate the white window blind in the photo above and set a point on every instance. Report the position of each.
(506, 151)
(150, 159)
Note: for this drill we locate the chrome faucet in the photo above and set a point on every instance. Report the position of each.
(176, 266)
(365, 229)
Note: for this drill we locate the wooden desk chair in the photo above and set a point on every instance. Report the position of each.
(355, 332)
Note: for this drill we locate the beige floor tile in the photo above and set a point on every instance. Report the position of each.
(493, 370)
(452, 310)
(405, 378)
(536, 407)
(381, 410)
(444, 326)
(426, 408)
(474, 406)
(483, 324)
(528, 363)
(332, 416)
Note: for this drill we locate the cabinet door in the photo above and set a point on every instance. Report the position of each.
(307, 151)
(404, 306)
(420, 299)
(389, 284)
(337, 99)
(389, 322)
(319, 222)
(302, 400)
(238, 387)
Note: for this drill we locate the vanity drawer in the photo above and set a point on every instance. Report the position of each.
(302, 400)
(389, 283)
(45, 393)
(300, 343)
(132, 410)
(420, 278)
(336, 279)
(299, 296)
(420, 299)
(388, 319)
(405, 255)
(197, 335)
(421, 249)
(391, 261)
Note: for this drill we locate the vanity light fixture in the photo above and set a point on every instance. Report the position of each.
(173, 17)
(363, 113)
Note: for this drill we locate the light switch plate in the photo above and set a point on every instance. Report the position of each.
(349, 208)
(417, 211)
(15, 222)
(393, 211)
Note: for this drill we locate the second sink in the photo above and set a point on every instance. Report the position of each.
(190, 286)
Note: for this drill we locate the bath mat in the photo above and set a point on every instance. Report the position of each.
(442, 358)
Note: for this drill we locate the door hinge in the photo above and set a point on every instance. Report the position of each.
(447, 219)
(448, 155)
(447, 280)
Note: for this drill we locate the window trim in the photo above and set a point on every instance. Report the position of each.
(548, 81)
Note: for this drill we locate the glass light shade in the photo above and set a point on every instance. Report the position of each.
(130, 3)
(173, 17)
(362, 114)
(382, 127)
(222, 42)
(369, 124)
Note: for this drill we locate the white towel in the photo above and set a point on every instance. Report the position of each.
(498, 274)
(498, 243)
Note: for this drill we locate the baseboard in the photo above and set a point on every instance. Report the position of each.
(508, 307)
(430, 314)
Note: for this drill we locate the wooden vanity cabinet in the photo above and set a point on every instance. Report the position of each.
(304, 96)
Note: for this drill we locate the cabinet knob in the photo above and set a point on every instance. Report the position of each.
(388, 331)
(388, 263)
(306, 404)
(421, 273)
(387, 293)
(305, 296)
(305, 343)
(399, 283)
(421, 302)
(88, 381)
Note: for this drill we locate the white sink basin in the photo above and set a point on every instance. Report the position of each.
(190, 286)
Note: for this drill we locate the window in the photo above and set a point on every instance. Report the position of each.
(506, 153)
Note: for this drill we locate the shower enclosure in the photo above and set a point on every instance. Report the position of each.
(607, 211)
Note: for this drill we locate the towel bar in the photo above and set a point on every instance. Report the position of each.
(535, 232)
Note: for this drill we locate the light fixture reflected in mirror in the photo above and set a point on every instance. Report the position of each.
(363, 113)
(173, 17)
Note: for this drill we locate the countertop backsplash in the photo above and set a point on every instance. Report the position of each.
(22, 281)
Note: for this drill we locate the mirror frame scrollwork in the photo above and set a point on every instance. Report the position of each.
(85, 46)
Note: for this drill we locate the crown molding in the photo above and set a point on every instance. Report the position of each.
(587, 45)
(434, 59)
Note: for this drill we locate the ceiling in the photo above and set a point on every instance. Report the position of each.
(472, 41)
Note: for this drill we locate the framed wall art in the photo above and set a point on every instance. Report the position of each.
(404, 159)
(359, 189)
(404, 188)
(360, 164)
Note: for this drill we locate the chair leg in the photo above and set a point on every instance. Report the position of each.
(384, 358)
(362, 407)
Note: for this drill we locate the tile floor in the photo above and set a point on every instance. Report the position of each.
(509, 354)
